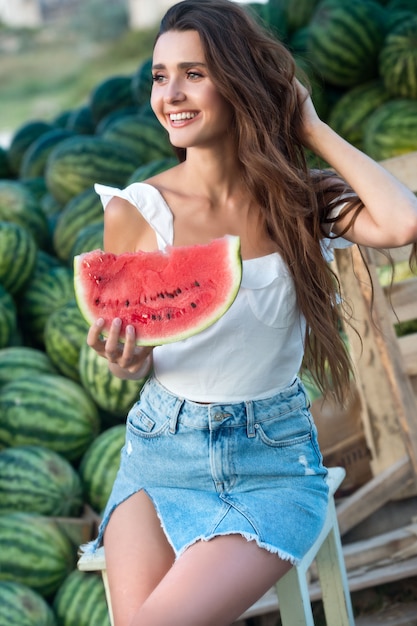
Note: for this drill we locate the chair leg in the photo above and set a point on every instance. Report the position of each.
(333, 579)
(107, 590)
(294, 599)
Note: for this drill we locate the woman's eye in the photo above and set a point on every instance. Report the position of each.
(194, 75)
(157, 78)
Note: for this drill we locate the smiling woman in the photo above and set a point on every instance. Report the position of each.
(221, 486)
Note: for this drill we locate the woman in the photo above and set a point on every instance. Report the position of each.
(221, 487)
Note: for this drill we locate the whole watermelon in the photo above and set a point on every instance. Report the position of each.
(111, 94)
(345, 39)
(64, 334)
(8, 319)
(22, 606)
(83, 209)
(81, 601)
(79, 162)
(398, 60)
(35, 552)
(18, 361)
(18, 250)
(99, 465)
(19, 205)
(23, 137)
(34, 479)
(391, 130)
(110, 393)
(34, 159)
(48, 288)
(351, 112)
(48, 410)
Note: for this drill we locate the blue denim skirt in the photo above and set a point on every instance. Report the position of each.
(250, 468)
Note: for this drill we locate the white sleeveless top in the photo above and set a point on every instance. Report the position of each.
(255, 349)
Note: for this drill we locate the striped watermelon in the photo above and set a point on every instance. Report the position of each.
(22, 606)
(398, 60)
(142, 82)
(391, 130)
(143, 172)
(34, 479)
(81, 122)
(298, 13)
(65, 332)
(345, 39)
(8, 319)
(113, 93)
(349, 115)
(81, 601)
(76, 163)
(83, 209)
(23, 137)
(5, 171)
(34, 159)
(18, 361)
(109, 392)
(18, 250)
(34, 552)
(99, 465)
(19, 205)
(89, 238)
(48, 410)
(147, 140)
(37, 186)
(47, 290)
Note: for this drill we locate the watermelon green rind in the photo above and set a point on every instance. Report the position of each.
(81, 601)
(22, 606)
(175, 306)
(34, 552)
(113, 394)
(99, 465)
(398, 60)
(392, 129)
(35, 479)
(48, 410)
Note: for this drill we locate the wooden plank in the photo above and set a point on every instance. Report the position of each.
(408, 349)
(374, 494)
(357, 581)
(400, 614)
(402, 300)
(404, 168)
(389, 405)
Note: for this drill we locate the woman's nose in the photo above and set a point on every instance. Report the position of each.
(173, 94)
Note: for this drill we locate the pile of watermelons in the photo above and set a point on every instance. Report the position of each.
(61, 413)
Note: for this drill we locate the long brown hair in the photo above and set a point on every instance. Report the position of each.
(255, 73)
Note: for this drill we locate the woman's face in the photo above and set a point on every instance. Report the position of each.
(184, 98)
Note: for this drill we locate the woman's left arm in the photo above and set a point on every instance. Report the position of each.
(389, 217)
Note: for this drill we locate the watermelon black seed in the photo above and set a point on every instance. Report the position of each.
(127, 303)
(196, 283)
(193, 305)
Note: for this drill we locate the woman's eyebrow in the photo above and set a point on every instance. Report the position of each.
(182, 66)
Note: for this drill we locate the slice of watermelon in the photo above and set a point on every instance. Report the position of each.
(166, 295)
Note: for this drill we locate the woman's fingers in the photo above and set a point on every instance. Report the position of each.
(126, 355)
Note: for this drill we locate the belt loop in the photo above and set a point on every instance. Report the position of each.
(173, 420)
(250, 419)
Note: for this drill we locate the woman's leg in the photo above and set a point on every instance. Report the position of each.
(138, 555)
(211, 584)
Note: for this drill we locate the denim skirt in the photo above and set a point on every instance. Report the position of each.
(250, 468)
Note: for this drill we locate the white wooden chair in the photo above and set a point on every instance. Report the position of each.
(292, 590)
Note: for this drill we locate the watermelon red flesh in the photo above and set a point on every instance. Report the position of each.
(166, 295)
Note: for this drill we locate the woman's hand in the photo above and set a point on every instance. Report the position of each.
(310, 119)
(126, 360)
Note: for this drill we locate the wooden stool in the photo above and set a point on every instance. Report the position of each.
(292, 589)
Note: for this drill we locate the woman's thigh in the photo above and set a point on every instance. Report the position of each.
(212, 584)
(138, 555)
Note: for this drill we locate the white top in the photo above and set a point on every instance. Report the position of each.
(255, 349)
